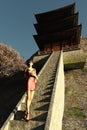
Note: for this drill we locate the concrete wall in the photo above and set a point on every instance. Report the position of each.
(56, 109)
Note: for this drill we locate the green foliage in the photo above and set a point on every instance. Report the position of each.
(76, 112)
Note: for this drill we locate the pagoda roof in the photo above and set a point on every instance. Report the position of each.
(59, 13)
(59, 36)
(58, 25)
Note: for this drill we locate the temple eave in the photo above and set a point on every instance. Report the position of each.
(58, 25)
(58, 36)
(67, 10)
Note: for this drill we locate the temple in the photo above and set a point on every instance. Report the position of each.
(57, 30)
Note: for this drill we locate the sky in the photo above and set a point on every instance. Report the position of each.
(17, 19)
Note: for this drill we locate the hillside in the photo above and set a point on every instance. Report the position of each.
(75, 114)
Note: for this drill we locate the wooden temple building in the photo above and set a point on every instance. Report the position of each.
(58, 30)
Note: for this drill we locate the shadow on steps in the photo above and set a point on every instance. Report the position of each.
(11, 91)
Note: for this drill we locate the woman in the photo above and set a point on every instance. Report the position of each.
(31, 85)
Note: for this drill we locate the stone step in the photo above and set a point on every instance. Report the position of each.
(33, 113)
(45, 100)
(22, 125)
(37, 119)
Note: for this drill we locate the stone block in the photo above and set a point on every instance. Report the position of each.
(74, 59)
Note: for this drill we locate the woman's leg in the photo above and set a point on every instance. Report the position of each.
(30, 95)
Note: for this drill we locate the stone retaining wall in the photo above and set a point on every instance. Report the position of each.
(74, 59)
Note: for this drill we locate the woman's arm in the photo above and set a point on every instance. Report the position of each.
(34, 74)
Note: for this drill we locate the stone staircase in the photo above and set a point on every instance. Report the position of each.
(40, 104)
